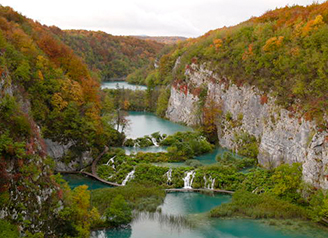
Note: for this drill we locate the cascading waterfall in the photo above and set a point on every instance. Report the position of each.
(189, 179)
(169, 176)
(209, 183)
(98, 234)
(154, 141)
(111, 160)
(128, 177)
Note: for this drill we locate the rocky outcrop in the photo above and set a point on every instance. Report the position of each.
(34, 197)
(59, 151)
(283, 136)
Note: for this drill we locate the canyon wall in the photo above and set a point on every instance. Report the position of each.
(282, 136)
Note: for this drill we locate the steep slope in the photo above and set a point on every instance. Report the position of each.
(261, 85)
(112, 57)
(46, 91)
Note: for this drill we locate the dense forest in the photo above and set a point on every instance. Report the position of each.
(110, 57)
(46, 91)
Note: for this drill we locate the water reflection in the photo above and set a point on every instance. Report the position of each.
(145, 123)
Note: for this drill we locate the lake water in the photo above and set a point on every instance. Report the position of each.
(75, 180)
(193, 206)
(146, 123)
(205, 159)
(210, 158)
(122, 84)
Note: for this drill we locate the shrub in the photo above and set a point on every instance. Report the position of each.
(256, 206)
(119, 212)
(8, 230)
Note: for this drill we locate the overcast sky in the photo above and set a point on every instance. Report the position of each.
(190, 18)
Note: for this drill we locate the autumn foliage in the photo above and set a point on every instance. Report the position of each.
(283, 53)
(107, 55)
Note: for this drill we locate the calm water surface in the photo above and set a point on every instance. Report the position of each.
(75, 180)
(194, 205)
(122, 84)
(210, 158)
(205, 159)
(145, 123)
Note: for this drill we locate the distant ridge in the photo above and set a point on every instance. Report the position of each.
(163, 39)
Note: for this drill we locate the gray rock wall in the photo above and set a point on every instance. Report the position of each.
(283, 137)
(58, 151)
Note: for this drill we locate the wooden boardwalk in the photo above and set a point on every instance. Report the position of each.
(93, 173)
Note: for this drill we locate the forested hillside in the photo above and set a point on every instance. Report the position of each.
(111, 57)
(284, 52)
(46, 91)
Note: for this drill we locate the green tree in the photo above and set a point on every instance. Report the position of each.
(78, 216)
(287, 181)
(8, 230)
(163, 101)
(119, 212)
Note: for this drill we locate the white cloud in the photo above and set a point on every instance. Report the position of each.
(146, 17)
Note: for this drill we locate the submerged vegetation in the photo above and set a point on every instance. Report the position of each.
(144, 196)
(247, 204)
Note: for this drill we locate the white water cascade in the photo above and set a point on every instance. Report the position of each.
(154, 142)
(128, 177)
(111, 160)
(189, 179)
(209, 183)
(169, 176)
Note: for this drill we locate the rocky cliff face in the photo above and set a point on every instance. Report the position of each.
(58, 152)
(282, 136)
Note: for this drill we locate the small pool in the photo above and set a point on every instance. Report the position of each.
(75, 180)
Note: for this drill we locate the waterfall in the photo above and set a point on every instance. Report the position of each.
(98, 234)
(212, 183)
(205, 180)
(128, 177)
(154, 141)
(209, 183)
(111, 160)
(189, 179)
(169, 176)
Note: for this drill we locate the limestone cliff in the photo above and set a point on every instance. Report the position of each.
(283, 136)
(58, 152)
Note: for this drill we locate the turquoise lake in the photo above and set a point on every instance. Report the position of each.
(145, 123)
(193, 205)
(75, 180)
(121, 85)
(210, 158)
